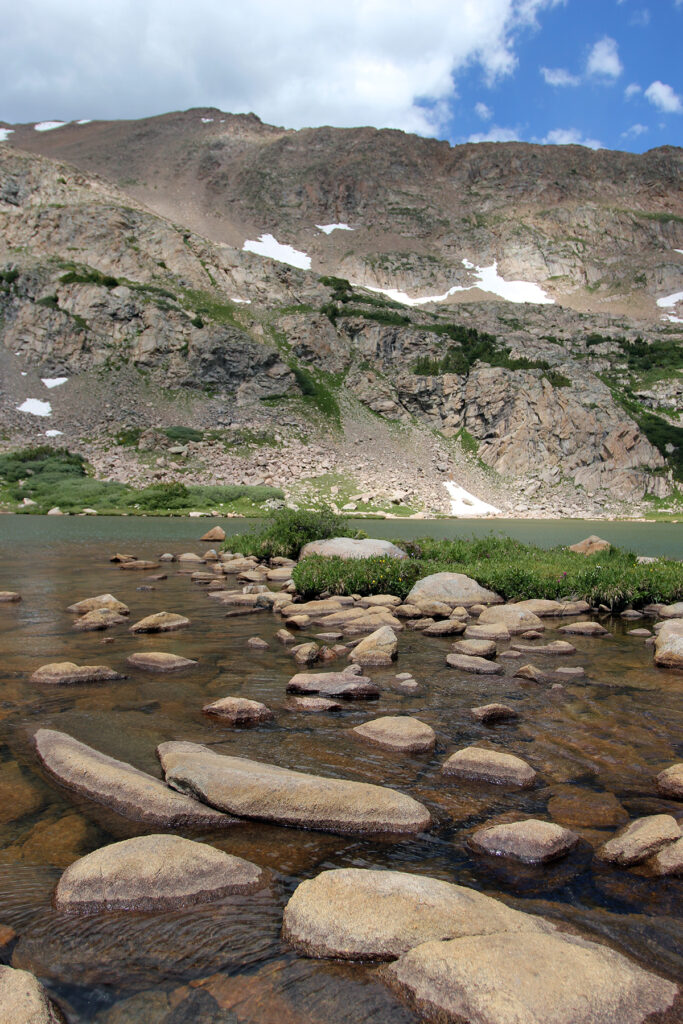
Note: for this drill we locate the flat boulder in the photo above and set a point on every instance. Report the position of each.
(487, 631)
(669, 645)
(159, 661)
(522, 978)
(446, 627)
(557, 648)
(379, 648)
(469, 663)
(590, 546)
(531, 841)
(515, 619)
(488, 713)
(640, 840)
(280, 575)
(157, 872)
(64, 673)
(479, 764)
(239, 711)
(93, 604)
(362, 914)
(139, 564)
(347, 547)
(475, 648)
(23, 1000)
(398, 732)
(130, 792)
(266, 792)
(453, 588)
(550, 609)
(313, 704)
(100, 618)
(160, 622)
(381, 601)
(584, 628)
(333, 684)
(670, 782)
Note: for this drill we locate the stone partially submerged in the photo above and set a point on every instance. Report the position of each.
(531, 841)
(266, 792)
(63, 673)
(159, 661)
(515, 619)
(156, 872)
(160, 622)
(23, 1000)
(239, 711)
(453, 588)
(380, 648)
(670, 782)
(94, 604)
(480, 764)
(130, 792)
(398, 732)
(640, 840)
(360, 914)
(333, 684)
(472, 663)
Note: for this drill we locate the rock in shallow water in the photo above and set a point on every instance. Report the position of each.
(380, 648)
(453, 588)
(531, 841)
(396, 732)
(127, 790)
(482, 765)
(159, 661)
(670, 782)
(493, 713)
(160, 622)
(23, 1000)
(266, 792)
(333, 684)
(467, 663)
(102, 601)
(239, 711)
(639, 840)
(64, 672)
(515, 619)
(359, 914)
(101, 618)
(154, 872)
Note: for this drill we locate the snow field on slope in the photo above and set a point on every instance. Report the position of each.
(268, 246)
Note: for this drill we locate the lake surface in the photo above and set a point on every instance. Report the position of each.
(222, 962)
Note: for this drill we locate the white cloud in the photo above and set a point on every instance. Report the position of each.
(632, 90)
(634, 131)
(495, 134)
(569, 137)
(664, 98)
(296, 64)
(559, 76)
(603, 60)
(482, 111)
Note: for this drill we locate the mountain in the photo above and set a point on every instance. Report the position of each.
(122, 268)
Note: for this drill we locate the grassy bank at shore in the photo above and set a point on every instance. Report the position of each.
(515, 570)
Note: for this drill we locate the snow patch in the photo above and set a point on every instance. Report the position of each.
(53, 433)
(207, 120)
(675, 250)
(35, 407)
(671, 319)
(465, 504)
(84, 120)
(488, 280)
(246, 302)
(24, 373)
(669, 301)
(5, 134)
(268, 246)
(329, 228)
(48, 126)
(53, 382)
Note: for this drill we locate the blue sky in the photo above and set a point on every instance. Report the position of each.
(599, 72)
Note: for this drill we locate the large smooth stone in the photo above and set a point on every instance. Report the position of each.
(590, 546)
(398, 732)
(487, 631)
(356, 620)
(493, 713)
(159, 661)
(23, 1000)
(154, 872)
(266, 792)
(216, 533)
(528, 978)
(160, 622)
(669, 645)
(9, 597)
(670, 782)
(584, 629)
(63, 672)
(333, 684)
(475, 648)
(380, 648)
(554, 649)
(127, 790)
(447, 627)
(94, 604)
(531, 841)
(640, 840)
(239, 711)
(671, 611)
(359, 914)
(544, 608)
(468, 663)
(514, 618)
(346, 547)
(101, 618)
(482, 765)
(453, 588)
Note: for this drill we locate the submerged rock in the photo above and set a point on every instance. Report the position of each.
(584, 808)
(156, 872)
(65, 672)
(400, 733)
(531, 841)
(23, 1000)
(266, 792)
(482, 765)
(127, 790)
(640, 840)
(239, 711)
(360, 914)
(159, 661)
(585, 629)
(160, 622)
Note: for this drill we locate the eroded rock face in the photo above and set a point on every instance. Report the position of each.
(127, 790)
(358, 914)
(23, 1000)
(482, 765)
(531, 841)
(453, 588)
(514, 978)
(398, 732)
(266, 792)
(347, 547)
(63, 673)
(154, 872)
(640, 840)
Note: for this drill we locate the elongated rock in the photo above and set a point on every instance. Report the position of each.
(93, 604)
(23, 1000)
(556, 648)
(60, 673)
(468, 663)
(156, 872)
(398, 732)
(584, 629)
(9, 597)
(266, 792)
(333, 684)
(483, 765)
(475, 648)
(159, 661)
(531, 841)
(359, 914)
(160, 622)
(345, 547)
(137, 563)
(525, 978)
(127, 790)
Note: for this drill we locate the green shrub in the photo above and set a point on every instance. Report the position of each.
(128, 436)
(316, 391)
(88, 275)
(557, 379)
(184, 434)
(288, 532)
(471, 346)
(377, 575)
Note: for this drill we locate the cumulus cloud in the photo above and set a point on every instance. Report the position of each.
(634, 131)
(482, 111)
(632, 90)
(559, 76)
(495, 134)
(569, 137)
(664, 98)
(300, 63)
(603, 60)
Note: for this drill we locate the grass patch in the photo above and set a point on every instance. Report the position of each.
(183, 434)
(316, 390)
(88, 275)
(377, 575)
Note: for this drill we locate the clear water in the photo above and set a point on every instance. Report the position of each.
(610, 733)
